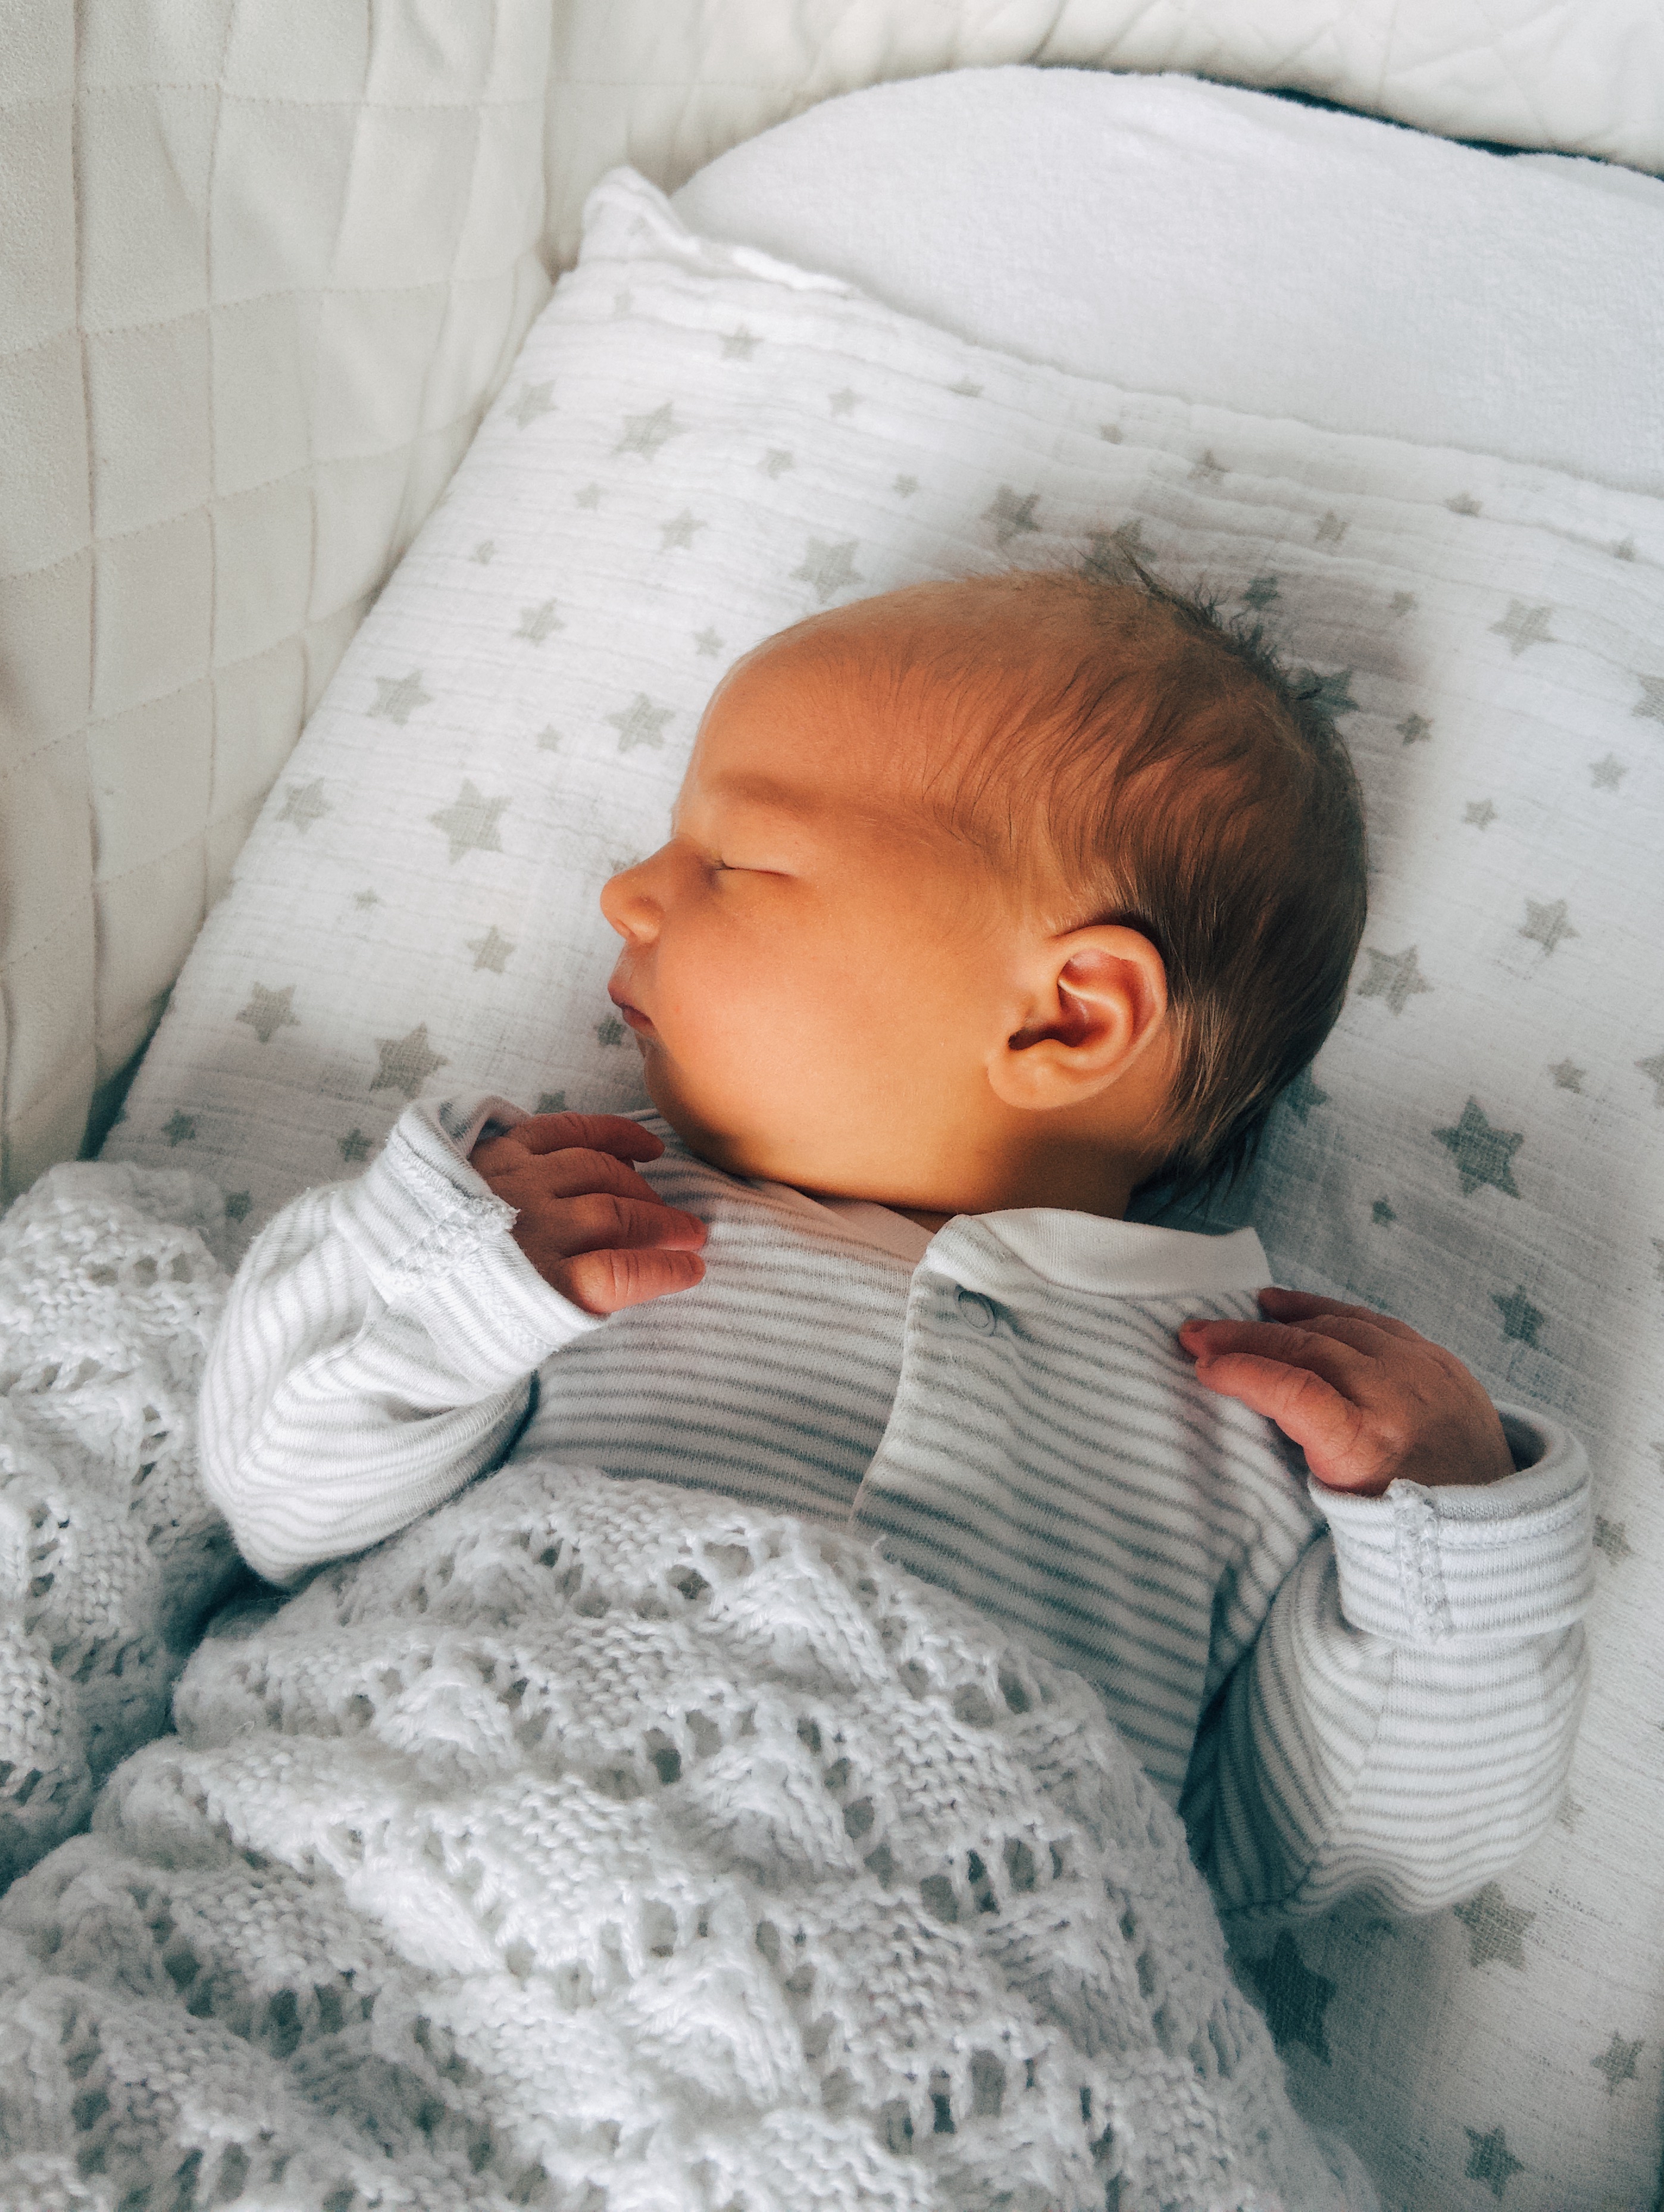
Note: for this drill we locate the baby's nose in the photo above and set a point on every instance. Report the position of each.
(626, 904)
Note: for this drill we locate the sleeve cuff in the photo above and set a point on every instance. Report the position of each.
(438, 1241)
(1472, 1564)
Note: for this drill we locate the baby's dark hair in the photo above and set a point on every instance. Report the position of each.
(1187, 784)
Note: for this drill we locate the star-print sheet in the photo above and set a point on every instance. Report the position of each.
(700, 446)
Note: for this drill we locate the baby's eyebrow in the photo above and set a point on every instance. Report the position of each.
(754, 791)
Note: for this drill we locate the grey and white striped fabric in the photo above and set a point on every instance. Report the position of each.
(1370, 1694)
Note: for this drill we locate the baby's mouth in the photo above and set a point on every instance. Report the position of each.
(632, 1015)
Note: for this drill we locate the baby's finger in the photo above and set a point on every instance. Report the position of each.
(574, 1170)
(596, 1133)
(1303, 1305)
(605, 1282)
(596, 1219)
(1345, 1366)
(1306, 1406)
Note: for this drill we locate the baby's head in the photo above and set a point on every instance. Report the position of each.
(1018, 891)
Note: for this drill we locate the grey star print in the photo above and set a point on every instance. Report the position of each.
(589, 496)
(641, 723)
(1652, 697)
(610, 1029)
(399, 700)
(1011, 515)
(1292, 1997)
(681, 531)
(1302, 1094)
(1329, 694)
(1617, 2061)
(1491, 2161)
(645, 433)
(304, 804)
(1652, 1069)
(407, 1062)
(829, 568)
(1494, 1928)
(966, 388)
(1393, 977)
(485, 552)
(1111, 433)
(1107, 551)
(550, 1102)
(354, 1146)
(906, 486)
(840, 402)
(1331, 530)
(534, 401)
(740, 344)
(180, 1127)
(1520, 1319)
(1480, 812)
(1403, 602)
(1568, 1076)
(1483, 1154)
(549, 739)
(237, 1203)
(1414, 728)
(1207, 470)
(268, 1012)
(470, 822)
(1606, 774)
(1612, 1537)
(776, 461)
(1546, 925)
(539, 623)
(1260, 592)
(1382, 1214)
(366, 899)
(708, 643)
(1523, 625)
(1463, 503)
(491, 951)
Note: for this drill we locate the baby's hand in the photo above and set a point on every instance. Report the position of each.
(1366, 1398)
(589, 1224)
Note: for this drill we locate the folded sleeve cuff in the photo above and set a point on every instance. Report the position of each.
(1472, 1564)
(438, 1243)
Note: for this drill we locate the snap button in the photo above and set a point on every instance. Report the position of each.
(977, 1311)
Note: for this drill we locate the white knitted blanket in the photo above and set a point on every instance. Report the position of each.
(599, 1844)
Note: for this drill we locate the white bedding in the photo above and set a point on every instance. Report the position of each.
(698, 445)
(1245, 252)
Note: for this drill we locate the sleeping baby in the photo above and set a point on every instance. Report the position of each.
(986, 906)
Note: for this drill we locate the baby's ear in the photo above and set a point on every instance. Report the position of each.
(1097, 999)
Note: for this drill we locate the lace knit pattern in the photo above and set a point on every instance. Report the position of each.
(600, 1844)
(110, 1552)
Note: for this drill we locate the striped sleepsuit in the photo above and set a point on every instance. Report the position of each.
(1340, 1693)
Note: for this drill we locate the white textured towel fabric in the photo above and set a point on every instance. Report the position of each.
(1476, 1148)
(1235, 252)
(601, 1844)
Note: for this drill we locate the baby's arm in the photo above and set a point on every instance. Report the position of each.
(1403, 1722)
(380, 1337)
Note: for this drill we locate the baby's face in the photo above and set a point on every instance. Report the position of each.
(814, 972)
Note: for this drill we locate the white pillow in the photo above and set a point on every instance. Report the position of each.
(698, 445)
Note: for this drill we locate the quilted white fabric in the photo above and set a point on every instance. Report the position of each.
(698, 446)
(600, 1844)
(263, 265)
